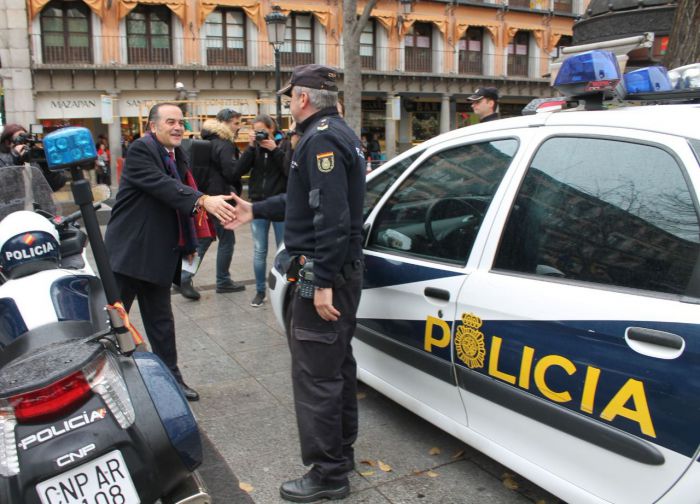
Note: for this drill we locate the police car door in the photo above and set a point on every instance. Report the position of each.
(422, 234)
(577, 355)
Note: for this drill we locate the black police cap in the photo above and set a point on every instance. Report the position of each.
(311, 76)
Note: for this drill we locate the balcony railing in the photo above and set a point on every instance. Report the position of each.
(118, 51)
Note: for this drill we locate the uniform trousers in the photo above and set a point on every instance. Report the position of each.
(156, 314)
(324, 378)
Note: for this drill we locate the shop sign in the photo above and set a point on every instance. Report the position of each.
(66, 106)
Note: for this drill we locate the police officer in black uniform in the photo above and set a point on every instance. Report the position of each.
(484, 103)
(323, 225)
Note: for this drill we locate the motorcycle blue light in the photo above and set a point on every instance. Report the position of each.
(69, 147)
(647, 80)
(588, 72)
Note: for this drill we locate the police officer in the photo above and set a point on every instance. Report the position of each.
(484, 103)
(323, 224)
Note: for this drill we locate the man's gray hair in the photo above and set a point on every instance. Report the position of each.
(319, 98)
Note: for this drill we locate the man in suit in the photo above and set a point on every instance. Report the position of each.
(152, 228)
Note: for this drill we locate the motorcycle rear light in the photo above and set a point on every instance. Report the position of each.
(52, 401)
(105, 379)
(9, 461)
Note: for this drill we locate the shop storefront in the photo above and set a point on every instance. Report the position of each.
(57, 110)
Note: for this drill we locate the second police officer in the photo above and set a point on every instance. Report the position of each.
(322, 210)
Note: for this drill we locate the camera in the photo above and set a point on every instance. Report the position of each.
(261, 135)
(25, 139)
(34, 152)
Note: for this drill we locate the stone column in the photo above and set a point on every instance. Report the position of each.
(445, 113)
(405, 130)
(15, 72)
(192, 109)
(268, 107)
(390, 129)
(114, 137)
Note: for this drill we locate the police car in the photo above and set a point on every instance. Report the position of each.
(532, 287)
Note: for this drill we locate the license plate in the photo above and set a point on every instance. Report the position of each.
(105, 480)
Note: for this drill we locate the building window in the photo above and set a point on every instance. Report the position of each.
(148, 35)
(65, 32)
(471, 47)
(563, 6)
(518, 54)
(368, 44)
(418, 42)
(564, 41)
(298, 49)
(225, 32)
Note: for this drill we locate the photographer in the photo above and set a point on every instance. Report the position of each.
(17, 147)
(268, 176)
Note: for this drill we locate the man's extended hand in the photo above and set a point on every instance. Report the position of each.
(323, 302)
(217, 206)
(242, 212)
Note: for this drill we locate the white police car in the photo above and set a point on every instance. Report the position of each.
(532, 287)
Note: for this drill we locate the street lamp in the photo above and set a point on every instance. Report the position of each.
(276, 28)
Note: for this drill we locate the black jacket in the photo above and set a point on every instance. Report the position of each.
(143, 231)
(224, 157)
(323, 204)
(268, 174)
(490, 117)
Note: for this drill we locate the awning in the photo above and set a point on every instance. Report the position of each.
(177, 6)
(462, 26)
(409, 19)
(321, 12)
(384, 17)
(36, 6)
(537, 32)
(251, 8)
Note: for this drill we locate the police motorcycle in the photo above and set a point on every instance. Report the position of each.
(85, 418)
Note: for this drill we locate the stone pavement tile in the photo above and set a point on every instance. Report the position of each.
(368, 496)
(525, 486)
(456, 483)
(279, 384)
(264, 361)
(248, 436)
(208, 368)
(235, 336)
(229, 399)
(209, 305)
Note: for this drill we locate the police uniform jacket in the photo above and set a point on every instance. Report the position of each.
(143, 231)
(325, 194)
(490, 117)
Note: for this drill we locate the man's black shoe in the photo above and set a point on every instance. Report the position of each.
(190, 394)
(230, 287)
(307, 489)
(188, 290)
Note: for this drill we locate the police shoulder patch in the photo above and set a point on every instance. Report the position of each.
(322, 125)
(325, 161)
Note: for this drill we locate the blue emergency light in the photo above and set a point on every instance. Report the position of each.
(647, 80)
(68, 148)
(588, 73)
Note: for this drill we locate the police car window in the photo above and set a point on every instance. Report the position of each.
(436, 212)
(604, 211)
(380, 183)
(695, 145)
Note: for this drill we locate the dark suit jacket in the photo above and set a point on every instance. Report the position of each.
(143, 232)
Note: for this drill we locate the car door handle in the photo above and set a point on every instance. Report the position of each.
(655, 337)
(433, 292)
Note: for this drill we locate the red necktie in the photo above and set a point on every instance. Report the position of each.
(172, 155)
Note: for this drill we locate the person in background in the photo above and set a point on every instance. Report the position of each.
(15, 150)
(102, 167)
(484, 103)
(264, 160)
(218, 179)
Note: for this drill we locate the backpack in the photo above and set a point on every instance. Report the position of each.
(199, 153)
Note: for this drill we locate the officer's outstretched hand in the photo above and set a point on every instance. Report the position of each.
(323, 302)
(242, 213)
